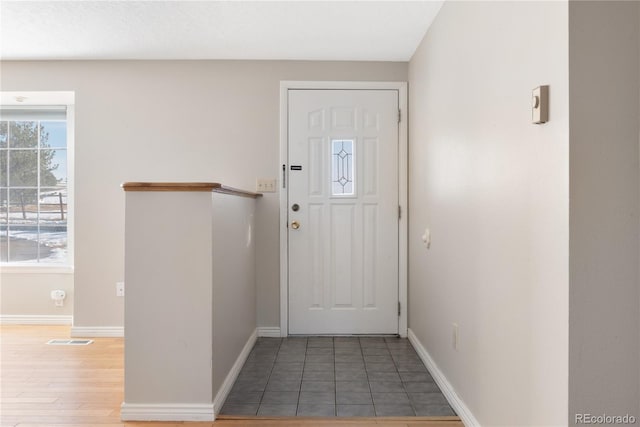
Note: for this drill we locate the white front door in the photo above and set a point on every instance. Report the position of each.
(343, 211)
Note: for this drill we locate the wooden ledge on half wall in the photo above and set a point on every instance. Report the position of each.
(188, 186)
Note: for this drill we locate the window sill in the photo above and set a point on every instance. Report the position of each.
(35, 269)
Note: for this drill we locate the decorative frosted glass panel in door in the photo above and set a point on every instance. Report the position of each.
(342, 172)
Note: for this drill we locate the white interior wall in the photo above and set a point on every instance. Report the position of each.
(604, 346)
(168, 352)
(493, 189)
(234, 284)
(191, 299)
(30, 293)
(171, 121)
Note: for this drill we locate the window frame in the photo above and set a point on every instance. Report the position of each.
(66, 98)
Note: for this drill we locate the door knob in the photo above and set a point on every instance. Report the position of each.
(295, 225)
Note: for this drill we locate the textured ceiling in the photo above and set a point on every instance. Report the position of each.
(297, 30)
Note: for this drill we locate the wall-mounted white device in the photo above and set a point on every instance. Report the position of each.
(58, 296)
(540, 105)
(426, 238)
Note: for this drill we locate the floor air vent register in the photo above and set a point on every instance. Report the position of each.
(69, 342)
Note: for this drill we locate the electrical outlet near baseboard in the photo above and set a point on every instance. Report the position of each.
(119, 289)
(455, 337)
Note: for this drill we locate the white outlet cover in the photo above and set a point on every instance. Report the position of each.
(58, 294)
(120, 289)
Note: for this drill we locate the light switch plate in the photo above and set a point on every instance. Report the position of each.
(540, 105)
(266, 185)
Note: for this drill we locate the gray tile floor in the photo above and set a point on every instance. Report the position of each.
(335, 376)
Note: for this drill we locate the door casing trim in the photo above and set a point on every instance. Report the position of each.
(403, 157)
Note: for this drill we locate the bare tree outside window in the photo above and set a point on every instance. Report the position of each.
(33, 191)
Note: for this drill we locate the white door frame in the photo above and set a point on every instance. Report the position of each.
(403, 157)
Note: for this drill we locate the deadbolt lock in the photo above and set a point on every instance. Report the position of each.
(295, 207)
(295, 225)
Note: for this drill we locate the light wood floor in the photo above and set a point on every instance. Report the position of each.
(65, 386)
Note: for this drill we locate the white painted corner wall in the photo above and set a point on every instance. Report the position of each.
(191, 301)
(535, 228)
(493, 190)
(169, 298)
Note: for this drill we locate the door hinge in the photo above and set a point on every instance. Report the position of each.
(399, 311)
(399, 116)
(399, 211)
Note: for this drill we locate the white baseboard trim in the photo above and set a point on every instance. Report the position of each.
(225, 388)
(35, 319)
(166, 412)
(447, 389)
(97, 331)
(269, 331)
(189, 412)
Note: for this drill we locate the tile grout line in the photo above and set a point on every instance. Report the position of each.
(335, 380)
(366, 372)
(273, 365)
(304, 363)
(395, 365)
